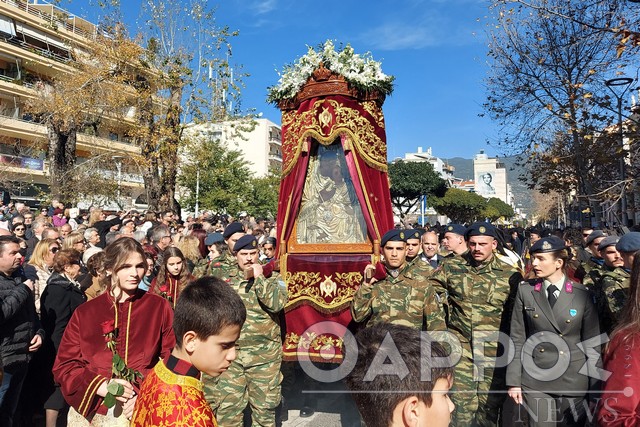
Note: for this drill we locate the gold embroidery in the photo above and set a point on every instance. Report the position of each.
(374, 109)
(328, 286)
(173, 379)
(329, 294)
(312, 341)
(360, 130)
(325, 117)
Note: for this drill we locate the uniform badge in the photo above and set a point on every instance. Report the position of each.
(546, 246)
(402, 235)
(573, 312)
(568, 287)
(450, 228)
(482, 230)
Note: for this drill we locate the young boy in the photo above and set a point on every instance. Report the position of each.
(207, 323)
(400, 394)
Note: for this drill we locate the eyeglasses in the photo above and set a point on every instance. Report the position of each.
(19, 229)
(54, 249)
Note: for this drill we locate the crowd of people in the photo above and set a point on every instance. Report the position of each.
(118, 316)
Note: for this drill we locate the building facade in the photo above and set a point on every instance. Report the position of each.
(259, 141)
(37, 40)
(491, 178)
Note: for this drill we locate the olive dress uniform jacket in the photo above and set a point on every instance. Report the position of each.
(572, 319)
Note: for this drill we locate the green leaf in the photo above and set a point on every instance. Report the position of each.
(115, 388)
(109, 400)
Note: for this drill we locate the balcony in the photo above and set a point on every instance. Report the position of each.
(56, 18)
(13, 127)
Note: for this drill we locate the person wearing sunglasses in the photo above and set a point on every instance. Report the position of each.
(42, 262)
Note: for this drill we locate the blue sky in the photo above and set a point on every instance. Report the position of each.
(436, 49)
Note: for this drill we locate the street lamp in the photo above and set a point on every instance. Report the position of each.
(118, 160)
(619, 87)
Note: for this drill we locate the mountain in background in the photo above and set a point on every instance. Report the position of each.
(521, 194)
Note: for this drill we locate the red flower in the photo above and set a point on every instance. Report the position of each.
(108, 326)
(164, 288)
(217, 264)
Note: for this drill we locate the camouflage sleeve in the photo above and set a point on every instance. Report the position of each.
(433, 311)
(616, 296)
(272, 292)
(361, 303)
(200, 268)
(438, 280)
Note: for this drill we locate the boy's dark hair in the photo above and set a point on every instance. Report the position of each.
(205, 307)
(377, 398)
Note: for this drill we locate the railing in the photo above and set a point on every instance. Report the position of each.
(34, 49)
(54, 19)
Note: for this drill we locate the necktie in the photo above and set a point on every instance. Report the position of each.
(433, 263)
(551, 296)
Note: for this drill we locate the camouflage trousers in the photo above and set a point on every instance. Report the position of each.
(478, 403)
(257, 385)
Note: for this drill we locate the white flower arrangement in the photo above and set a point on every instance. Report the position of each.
(360, 71)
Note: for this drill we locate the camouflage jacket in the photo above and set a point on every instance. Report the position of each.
(263, 299)
(205, 267)
(407, 300)
(480, 297)
(615, 286)
(420, 267)
(590, 272)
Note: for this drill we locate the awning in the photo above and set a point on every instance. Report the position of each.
(40, 35)
(6, 25)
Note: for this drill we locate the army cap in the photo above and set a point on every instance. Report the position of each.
(456, 229)
(213, 238)
(630, 242)
(393, 235)
(412, 234)
(594, 235)
(548, 244)
(247, 241)
(233, 228)
(608, 241)
(480, 229)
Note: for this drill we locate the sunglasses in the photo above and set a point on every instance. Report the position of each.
(19, 229)
(54, 249)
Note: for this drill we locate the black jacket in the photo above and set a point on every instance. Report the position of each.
(19, 322)
(58, 302)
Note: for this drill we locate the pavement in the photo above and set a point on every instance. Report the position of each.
(333, 404)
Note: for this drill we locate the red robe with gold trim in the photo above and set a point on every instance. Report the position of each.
(83, 362)
(168, 397)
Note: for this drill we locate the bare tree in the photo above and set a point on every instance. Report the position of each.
(549, 61)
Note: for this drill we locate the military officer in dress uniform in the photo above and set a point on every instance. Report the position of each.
(396, 292)
(479, 289)
(551, 315)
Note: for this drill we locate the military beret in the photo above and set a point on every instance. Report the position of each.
(233, 228)
(412, 234)
(630, 242)
(480, 229)
(213, 238)
(608, 241)
(393, 235)
(548, 244)
(594, 235)
(247, 241)
(456, 229)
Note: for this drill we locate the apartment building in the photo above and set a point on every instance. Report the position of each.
(260, 142)
(37, 41)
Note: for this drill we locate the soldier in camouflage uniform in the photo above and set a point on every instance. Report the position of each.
(612, 272)
(231, 234)
(254, 377)
(590, 272)
(215, 243)
(412, 239)
(616, 285)
(480, 290)
(453, 240)
(400, 294)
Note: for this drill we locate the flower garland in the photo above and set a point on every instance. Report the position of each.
(360, 71)
(119, 367)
